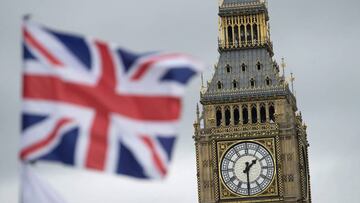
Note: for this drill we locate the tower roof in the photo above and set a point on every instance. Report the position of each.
(235, 71)
(235, 7)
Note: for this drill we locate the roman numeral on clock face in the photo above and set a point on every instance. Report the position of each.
(264, 157)
(258, 184)
(264, 176)
(229, 159)
(257, 148)
(229, 170)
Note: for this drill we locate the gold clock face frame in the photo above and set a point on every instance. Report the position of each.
(247, 168)
(270, 188)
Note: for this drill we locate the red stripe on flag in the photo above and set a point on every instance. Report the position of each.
(151, 108)
(33, 42)
(97, 150)
(108, 79)
(147, 64)
(155, 156)
(47, 140)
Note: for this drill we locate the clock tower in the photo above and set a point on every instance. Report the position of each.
(251, 142)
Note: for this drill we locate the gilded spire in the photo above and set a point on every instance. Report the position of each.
(202, 80)
(283, 65)
(292, 79)
(197, 113)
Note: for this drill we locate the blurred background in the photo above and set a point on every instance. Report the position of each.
(319, 40)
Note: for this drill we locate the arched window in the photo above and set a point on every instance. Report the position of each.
(227, 116)
(262, 113)
(243, 67)
(255, 32)
(242, 33)
(268, 81)
(253, 114)
(228, 68)
(219, 85)
(258, 65)
(218, 116)
(248, 32)
(236, 115)
(230, 35)
(236, 33)
(245, 114)
(272, 113)
(252, 82)
(235, 84)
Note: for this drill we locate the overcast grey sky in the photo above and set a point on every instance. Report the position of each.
(318, 38)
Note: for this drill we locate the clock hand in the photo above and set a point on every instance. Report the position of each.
(246, 167)
(247, 170)
(248, 181)
(253, 162)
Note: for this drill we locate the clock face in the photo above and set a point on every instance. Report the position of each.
(247, 168)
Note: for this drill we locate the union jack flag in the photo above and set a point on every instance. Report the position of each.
(93, 105)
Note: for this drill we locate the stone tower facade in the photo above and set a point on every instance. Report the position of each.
(251, 142)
